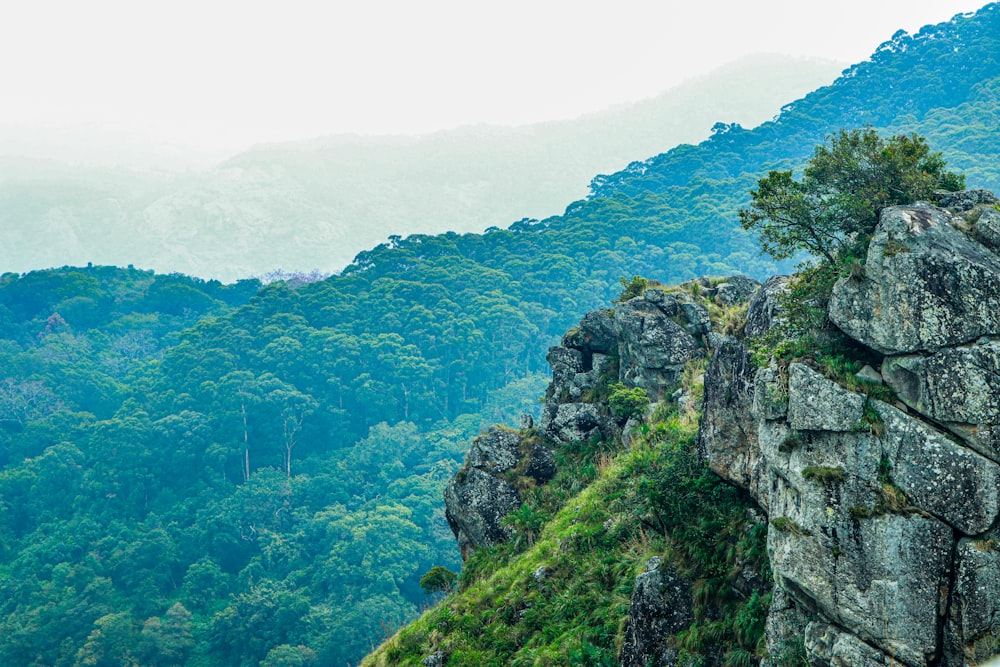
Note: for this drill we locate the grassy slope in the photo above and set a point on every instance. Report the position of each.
(564, 599)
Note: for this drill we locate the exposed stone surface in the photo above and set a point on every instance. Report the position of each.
(987, 229)
(958, 387)
(595, 333)
(864, 513)
(939, 476)
(575, 422)
(475, 504)
(965, 200)
(869, 375)
(926, 286)
(495, 451)
(827, 646)
(882, 577)
(541, 465)
(436, 659)
(736, 290)
(661, 606)
(727, 436)
(785, 625)
(764, 311)
(652, 347)
(973, 630)
(817, 404)
(770, 396)
(479, 497)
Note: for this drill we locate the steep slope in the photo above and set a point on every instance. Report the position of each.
(316, 204)
(630, 539)
(865, 455)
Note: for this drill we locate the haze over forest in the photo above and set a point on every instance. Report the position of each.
(315, 204)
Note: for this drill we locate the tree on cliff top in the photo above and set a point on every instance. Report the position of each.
(844, 187)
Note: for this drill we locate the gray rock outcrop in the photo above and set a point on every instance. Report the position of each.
(883, 517)
(660, 607)
(656, 338)
(479, 497)
(926, 286)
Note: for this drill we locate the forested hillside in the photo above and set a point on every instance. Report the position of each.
(263, 487)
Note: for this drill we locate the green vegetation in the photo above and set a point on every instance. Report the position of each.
(823, 475)
(788, 525)
(628, 403)
(438, 580)
(833, 210)
(563, 600)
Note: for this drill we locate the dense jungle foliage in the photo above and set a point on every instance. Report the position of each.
(241, 475)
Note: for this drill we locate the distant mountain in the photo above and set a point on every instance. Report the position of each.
(316, 204)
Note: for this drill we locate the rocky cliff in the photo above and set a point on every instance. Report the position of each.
(867, 452)
(882, 499)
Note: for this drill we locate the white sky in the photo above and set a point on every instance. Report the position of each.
(219, 75)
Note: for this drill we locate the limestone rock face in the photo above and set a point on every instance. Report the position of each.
(764, 309)
(951, 482)
(971, 632)
(661, 606)
(926, 286)
(827, 646)
(727, 437)
(956, 387)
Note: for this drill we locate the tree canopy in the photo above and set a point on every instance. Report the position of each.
(845, 185)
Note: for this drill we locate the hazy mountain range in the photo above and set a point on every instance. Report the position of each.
(314, 205)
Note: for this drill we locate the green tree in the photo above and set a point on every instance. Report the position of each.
(626, 403)
(438, 579)
(843, 189)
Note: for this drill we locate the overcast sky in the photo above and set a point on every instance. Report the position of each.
(221, 75)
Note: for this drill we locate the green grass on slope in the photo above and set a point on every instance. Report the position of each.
(564, 599)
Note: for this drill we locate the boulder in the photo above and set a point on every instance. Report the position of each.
(595, 333)
(575, 422)
(661, 606)
(926, 285)
(541, 464)
(735, 290)
(764, 309)
(475, 504)
(496, 451)
(965, 200)
(652, 347)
